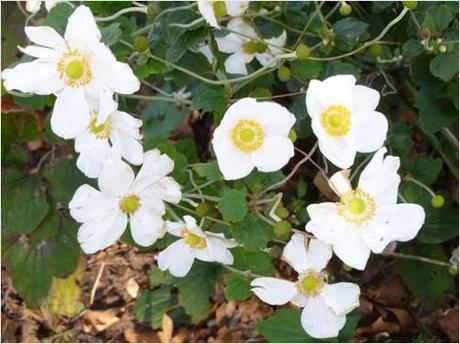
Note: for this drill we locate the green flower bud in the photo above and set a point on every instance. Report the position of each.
(261, 47)
(203, 209)
(282, 212)
(141, 43)
(152, 9)
(453, 270)
(376, 50)
(284, 73)
(220, 10)
(250, 47)
(302, 52)
(437, 201)
(345, 9)
(282, 230)
(412, 5)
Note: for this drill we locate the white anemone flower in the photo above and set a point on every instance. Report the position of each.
(344, 119)
(366, 218)
(74, 68)
(213, 10)
(118, 136)
(253, 134)
(246, 45)
(324, 305)
(33, 6)
(194, 244)
(104, 214)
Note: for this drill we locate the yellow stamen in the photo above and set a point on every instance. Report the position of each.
(129, 204)
(336, 120)
(193, 240)
(74, 68)
(356, 206)
(310, 282)
(101, 131)
(248, 135)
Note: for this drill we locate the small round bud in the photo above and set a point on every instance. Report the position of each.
(437, 201)
(152, 9)
(278, 8)
(250, 47)
(141, 43)
(282, 230)
(302, 52)
(453, 270)
(347, 268)
(442, 48)
(220, 9)
(376, 49)
(439, 40)
(203, 209)
(292, 135)
(284, 73)
(412, 5)
(282, 212)
(261, 47)
(345, 9)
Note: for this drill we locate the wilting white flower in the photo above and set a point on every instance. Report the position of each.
(33, 6)
(212, 10)
(104, 214)
(344, 119)
(366, 218)
(178, 257)
(76, 68)
(324, 305)
(118, 136)
(245, 46)
(253, 134)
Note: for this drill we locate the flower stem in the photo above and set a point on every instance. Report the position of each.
(453, 166)
(418, 258)
(158, 98)
(202, 196)
(121, 12)
(246, 273)
(409, 178)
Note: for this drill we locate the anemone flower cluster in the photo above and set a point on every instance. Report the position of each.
(84, 75)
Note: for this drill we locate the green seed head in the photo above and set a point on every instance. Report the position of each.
(282, 212)
(345, 9)
(220, 10)
(376, 50)
(282, 230)
(203, 209)
(129, 204)
(437, 201)
(284, 73)
(261, 47)
(356, 206)
(310, 283)
(412, 5)
(74, 69)
(152, 9)
(141, 43)
(250, 47)
(453, 270)
(302, 52)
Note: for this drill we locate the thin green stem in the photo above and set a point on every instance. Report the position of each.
(188, 25)
(358, 168)
(246, 273)
(409, 178)
(210, 218)
(158, 98)
(204, 185)
(201, 197)
(450, 136)
(418, 258)
(121, 12)
(299, 39)
(453, 166)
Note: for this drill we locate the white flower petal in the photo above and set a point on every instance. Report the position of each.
(337, 90)
(206, 51)
(168, 190)
(274, 291)
(101, 232)
(364, 99)
(351, 248)
(233, 163)
(399, 222)
(151, 202)
(380, 178)
(243, 27)
(33, 6)
(70, 114)
(116, 177)
(236, 8)
(230, 43)
(303, 254)
(218, 250)
(314, 105)
(207, 11)
(342, 298)
(370, 131)
(155, 167)
(319, 321)
(45, 36)
(276, 44)
(274, 118)
(122, 78)
(339, 182)
(236, 63)
(88, 203)
(177, 258)
(266, 59)
(175, 228)
(274, 153)
(340, 150)
(81, 28)
(325, 222)
(146, 227)
(41, 52)
(38, 76)
(299, 300)
(92, 153)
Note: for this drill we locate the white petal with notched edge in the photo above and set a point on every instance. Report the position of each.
(177, 258)
(342, 298)
(146, 227)
(116, 177)
(274, 291)
(319, 321)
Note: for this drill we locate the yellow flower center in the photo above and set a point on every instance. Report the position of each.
(193, 240)
(356, 206)
(250, 47)
(310, 283)
(129, 204)
(74, 68)
(336, 120)
(101, 131)
(220, 10)
(248, 135)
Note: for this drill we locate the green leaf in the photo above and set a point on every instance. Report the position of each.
(233, 206)
(24, 206)
(196, 288)
(111, 34)
(437, 19)
(63, 179)
(158, 277)
(252, 233)
(427, 281)
(238, 287)
(256, 261)
(284, 327)
(434, 113)
(445, 66)
(338, 68)
(348, 32)
(209, 170)
(151, 306)
(411, 48)
(427, 169)
(210, 98)
(441, 224)
(58, 16)
(307, 69)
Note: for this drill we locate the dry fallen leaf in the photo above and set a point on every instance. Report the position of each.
(100, 320)
(323, 186)
(133, 335)
(132, 288)
(449, 324)
(34, 144)
(378, 326)
(168, 327)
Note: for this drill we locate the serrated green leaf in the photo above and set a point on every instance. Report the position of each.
(348, 32)
(210, 98)
(427, 169)
(209, 170)
(307, 69)
(196, 288)
(441, 224)
(151, 306)
(252, 233)
(438, 18)
(237, 287)
(233, 206)
(158, 277)
(435, 113)
(255, 261)
(111, 34)
(445, 66)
